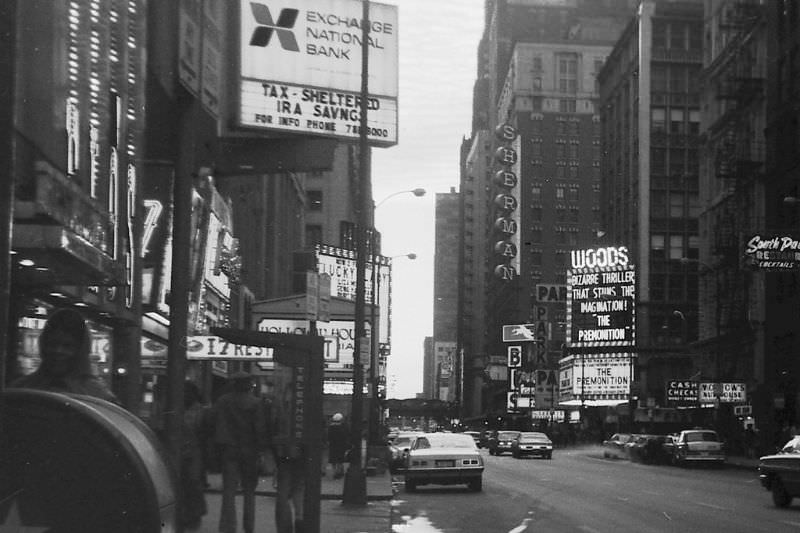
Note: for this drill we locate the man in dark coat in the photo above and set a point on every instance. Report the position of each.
(337, 444)
(64, 347)
(241, 434)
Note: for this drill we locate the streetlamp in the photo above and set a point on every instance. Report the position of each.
(374, 408)
(717, 328)
(373, 420)
(418, 192)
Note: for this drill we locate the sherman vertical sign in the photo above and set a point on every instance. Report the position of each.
(601, 291)
(301, 67)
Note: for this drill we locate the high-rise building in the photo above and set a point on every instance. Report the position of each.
(537, 68)
(650, 117)
(447, 384)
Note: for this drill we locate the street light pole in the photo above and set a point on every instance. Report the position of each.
(374, 407)
(373, 420)
(355, 481)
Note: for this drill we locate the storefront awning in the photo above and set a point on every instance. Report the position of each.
(53, 255)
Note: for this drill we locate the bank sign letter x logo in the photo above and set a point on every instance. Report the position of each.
(263, 33)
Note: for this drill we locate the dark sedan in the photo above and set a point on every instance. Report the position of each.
(649, 449)
(614, 447)
(532, 443)
(780, 473)
(500, 442)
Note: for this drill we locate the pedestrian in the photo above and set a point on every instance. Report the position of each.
(337, 444)
(64, 347)
(193, 506)
(241, 434)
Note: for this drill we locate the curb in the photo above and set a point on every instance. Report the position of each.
(273, 494)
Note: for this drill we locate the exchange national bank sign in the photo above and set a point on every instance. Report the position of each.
(601, 290)
(301, 68)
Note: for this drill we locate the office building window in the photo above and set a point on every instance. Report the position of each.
(676, 205)
(567, 73)
(676, 246)
(676, 124)
(313, 234)
(657, 244)
(573, 194)
(536, 193)
(314, 200)
(658, 120)
(560, 193)
(567, 106)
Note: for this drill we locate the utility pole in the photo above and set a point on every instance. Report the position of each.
(355, 481)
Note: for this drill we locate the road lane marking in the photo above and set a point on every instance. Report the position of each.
(789, 523)
(668, 516)
(712, 506)
(522, 527)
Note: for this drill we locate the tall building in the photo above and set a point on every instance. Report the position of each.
(447, 384)
(650, 116)
(537, 68)
(731, 311)
(778, 405)
(72, 160)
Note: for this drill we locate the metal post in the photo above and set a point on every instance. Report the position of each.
(355, 482)
(374, 422)
(7, 64)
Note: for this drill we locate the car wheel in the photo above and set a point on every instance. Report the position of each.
(475, 485)
(491, 451)
(780, 497)
(548, 456)
(411, 486)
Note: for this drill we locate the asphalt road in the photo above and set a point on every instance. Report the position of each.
(580, 491)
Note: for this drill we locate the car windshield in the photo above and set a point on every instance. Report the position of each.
(793, 446)
(702, 436)
(533, 437)
(445, 440)
(506, 435)
(402, 441)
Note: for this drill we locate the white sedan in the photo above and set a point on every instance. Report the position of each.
(444, 459)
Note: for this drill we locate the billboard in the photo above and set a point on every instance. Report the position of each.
(340, 265)
(773, 252)
(339, 339)
(301, 68)
(601, 293)
(602, 376)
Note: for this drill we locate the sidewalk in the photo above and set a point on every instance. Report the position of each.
(375, 517)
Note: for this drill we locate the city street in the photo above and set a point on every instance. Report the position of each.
(578, 490)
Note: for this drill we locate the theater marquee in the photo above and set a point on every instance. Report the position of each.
(601, 293)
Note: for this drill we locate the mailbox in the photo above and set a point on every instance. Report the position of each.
(72, 463)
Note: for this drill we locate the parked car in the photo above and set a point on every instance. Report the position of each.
(444, 459)
(500, 441)
(614, 447)
(698, 445)
(476, 436)
(532, 443)
(780, 473)
(399, 448)
(649, 449)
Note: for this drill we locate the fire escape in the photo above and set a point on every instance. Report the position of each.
(737, 75)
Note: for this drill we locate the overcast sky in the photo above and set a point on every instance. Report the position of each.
(438, 51)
